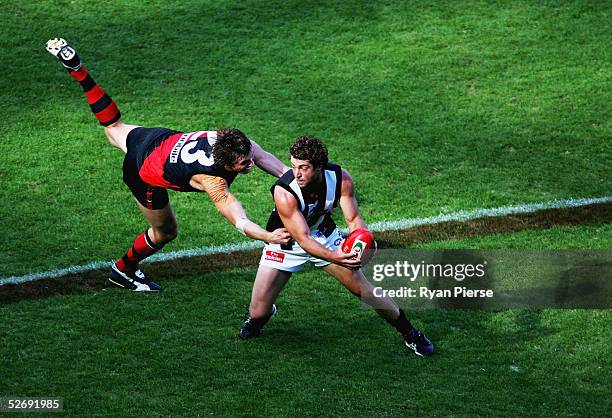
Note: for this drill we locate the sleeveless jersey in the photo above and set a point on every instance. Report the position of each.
(170, 160)
(316, 203)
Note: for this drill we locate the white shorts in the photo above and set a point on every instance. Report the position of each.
(294, 260)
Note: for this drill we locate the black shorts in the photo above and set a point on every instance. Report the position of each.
(138, 141)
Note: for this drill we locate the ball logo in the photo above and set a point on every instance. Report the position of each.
(358, 247)
(361, 243)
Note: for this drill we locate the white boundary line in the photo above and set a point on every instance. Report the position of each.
(375, 227)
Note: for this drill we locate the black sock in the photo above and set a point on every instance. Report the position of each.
(402, 324)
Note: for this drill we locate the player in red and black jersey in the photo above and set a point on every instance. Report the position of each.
(157, 159)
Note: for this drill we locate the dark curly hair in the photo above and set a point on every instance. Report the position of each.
(311, 149)
(231, 144)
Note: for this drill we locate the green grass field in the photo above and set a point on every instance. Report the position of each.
(322, 355)
(433, 107)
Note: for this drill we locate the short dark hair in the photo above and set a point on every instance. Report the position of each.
(231, 144)
(311, 149)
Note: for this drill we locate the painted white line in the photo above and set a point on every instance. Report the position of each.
(487, 213)
(375, 227)
(99, 265)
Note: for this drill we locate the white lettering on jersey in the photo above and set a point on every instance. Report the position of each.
(177, 147)
(185, 144)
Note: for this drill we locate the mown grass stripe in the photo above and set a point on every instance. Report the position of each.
(376, 227)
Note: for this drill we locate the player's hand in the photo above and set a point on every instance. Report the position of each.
(350, 261)
(279, 236)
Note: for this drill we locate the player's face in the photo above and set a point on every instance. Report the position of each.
(304, 172)
(244, 164)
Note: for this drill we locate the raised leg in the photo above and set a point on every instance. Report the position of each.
(103, 107)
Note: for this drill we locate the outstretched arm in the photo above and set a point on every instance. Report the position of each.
(267, 162)
(235, 214)
(348, 203)
(296, 224)
(231, 209)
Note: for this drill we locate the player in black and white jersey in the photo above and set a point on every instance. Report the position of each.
(304, 200)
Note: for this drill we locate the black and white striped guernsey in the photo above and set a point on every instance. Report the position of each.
(315, 202)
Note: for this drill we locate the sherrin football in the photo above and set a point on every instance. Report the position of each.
(362, 242)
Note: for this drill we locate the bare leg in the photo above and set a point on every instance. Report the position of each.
(268, 284)
(163, 224)
(358, 285)
(117, 134)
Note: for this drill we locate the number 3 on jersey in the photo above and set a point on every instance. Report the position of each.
(199, 156)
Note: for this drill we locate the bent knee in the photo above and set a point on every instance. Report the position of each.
(170, 233)
(165, 234)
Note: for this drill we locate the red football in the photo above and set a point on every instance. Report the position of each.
(362, 242)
